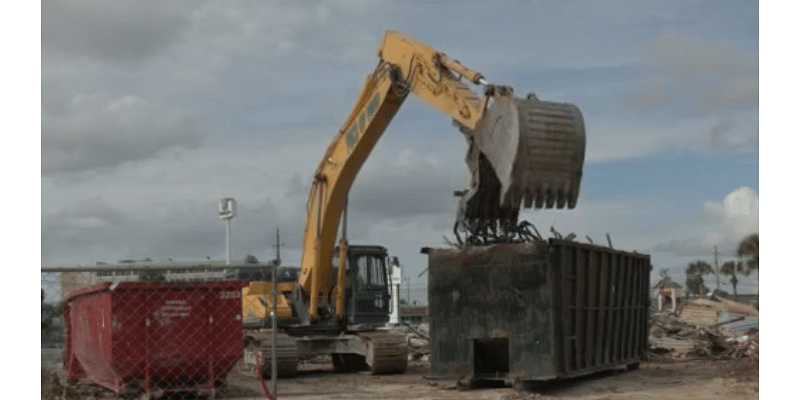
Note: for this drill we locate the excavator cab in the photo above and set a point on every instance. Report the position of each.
(367, 298)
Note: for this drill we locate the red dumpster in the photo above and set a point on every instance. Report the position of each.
(154, 337)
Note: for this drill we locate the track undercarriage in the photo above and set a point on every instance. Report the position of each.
(378, 351)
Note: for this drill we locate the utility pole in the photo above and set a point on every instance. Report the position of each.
(408, 292)
(716, 265)
(274, 358)
(278, 246)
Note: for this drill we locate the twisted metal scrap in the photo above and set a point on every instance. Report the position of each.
(480, 232)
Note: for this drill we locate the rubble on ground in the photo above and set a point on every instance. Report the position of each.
(707, 327)
(713, 310)
(419, 350)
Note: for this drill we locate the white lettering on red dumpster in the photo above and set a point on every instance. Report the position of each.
(172, 309)
(175, 308)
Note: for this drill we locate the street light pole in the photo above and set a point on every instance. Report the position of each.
(274, 316)
(228, 241)
(227, 210)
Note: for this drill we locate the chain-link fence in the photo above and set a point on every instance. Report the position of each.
(147, 328)
(155, 328)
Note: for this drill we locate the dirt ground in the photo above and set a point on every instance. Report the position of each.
(665, 379)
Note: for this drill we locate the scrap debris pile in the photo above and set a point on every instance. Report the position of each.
(419, 349)
(488, 234)
(709, 327)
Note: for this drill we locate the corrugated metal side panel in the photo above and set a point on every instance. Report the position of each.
(603, 306)
(565, 308)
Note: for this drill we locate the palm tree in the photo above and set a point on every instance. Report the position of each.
(730, 268)
(694, 277)
(748, 250)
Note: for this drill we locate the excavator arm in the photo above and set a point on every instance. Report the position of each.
(383, 93)
(407, 65)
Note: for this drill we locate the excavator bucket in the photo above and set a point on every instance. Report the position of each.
(523, 153)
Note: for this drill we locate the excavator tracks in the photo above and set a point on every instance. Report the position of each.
(287, 356)
(380, 352)
(387, 352)
(260, 345)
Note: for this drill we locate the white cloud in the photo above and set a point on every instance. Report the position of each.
(709, 75)
(737, 214)
(727, 223)
(688, 57)
(280, 37)
(95, 130)
(610, 138)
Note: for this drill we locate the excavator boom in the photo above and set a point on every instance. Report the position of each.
(522, 152)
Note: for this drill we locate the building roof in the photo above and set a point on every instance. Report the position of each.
(164, 265)
(667, 283)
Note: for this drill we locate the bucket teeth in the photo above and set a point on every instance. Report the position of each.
(524, 153)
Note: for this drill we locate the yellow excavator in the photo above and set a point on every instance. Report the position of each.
(522, 153)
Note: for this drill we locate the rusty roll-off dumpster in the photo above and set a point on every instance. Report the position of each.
(529, 312)
(153, 338)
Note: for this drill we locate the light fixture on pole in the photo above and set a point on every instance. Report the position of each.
(227, 210)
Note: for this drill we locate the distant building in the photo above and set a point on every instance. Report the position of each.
(185, 274)
(668, 291)
(414, 315)
(171, 271)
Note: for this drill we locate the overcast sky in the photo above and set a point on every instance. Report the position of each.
(151, 111)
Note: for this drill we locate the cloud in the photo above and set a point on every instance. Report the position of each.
(652, 93)
(166, 206)
(738, 213)
(118, 31)
(90, 213)
(408, 184)
(95, 131)
(168, 106)
(276, 39)
(734, 132)
(688, 57)
(703, 74)
(727, 223)
(190, 230)
(613, 138)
